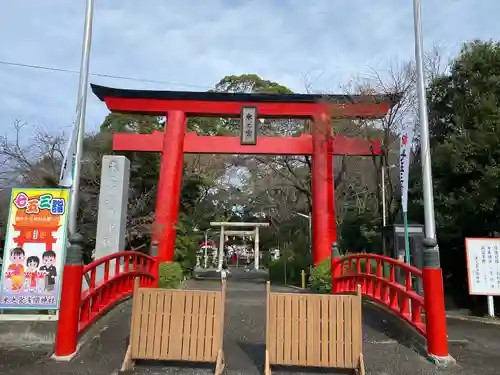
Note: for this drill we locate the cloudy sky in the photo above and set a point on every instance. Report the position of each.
(191, 44)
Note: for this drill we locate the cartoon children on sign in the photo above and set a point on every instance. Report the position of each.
(32, 275)
(29, 278)
(15, 271)
(49, 268)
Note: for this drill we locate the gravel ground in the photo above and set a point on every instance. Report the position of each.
(389, 348)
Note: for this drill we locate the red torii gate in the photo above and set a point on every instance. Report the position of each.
(175, 141)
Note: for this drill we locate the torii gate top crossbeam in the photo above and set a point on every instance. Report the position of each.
(229, 104)
(237, 224)
(239, 233)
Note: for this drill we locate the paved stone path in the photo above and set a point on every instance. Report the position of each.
(388, 350)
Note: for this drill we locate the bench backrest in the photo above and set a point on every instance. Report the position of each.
(177, 325)
(313, 330)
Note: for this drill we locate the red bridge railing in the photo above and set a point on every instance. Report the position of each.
(119, 271)
(110, 280)
(383, 280)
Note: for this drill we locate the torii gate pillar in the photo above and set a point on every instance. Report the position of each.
(169, 185)
(323, 202)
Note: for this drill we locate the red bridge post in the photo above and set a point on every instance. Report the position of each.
(71, 294)
(432, 275)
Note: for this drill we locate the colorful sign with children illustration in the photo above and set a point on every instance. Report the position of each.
(35, 248)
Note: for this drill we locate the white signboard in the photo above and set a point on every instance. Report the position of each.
(483, 265)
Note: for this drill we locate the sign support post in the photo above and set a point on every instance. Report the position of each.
(491, 307)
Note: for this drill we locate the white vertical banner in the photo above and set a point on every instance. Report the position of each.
(68, 164)
(405, 142)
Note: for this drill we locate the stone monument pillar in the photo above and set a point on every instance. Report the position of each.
(113, 204)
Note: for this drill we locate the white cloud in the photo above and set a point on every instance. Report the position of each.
(193, 43)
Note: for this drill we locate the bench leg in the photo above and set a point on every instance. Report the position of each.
(128, 362)
(268, 365)
(220, 364)
(361, 370)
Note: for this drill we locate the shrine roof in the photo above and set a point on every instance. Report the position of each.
(102, 92)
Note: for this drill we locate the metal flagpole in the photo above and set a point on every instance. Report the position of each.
(430, 224)
(432, 276)
(82, 100)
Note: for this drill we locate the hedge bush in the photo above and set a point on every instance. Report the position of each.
(293, 269)
(170, 275)
(320, 279)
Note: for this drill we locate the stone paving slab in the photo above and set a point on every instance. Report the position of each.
(388, 349)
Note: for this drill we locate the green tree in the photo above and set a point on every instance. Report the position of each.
(360, 232)
(250, 83)
(465, 141)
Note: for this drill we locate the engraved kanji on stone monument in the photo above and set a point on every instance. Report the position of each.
(248, 126)
(113, 204)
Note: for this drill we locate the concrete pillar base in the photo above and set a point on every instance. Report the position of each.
(442, 362)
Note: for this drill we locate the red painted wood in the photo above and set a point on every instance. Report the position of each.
(437, 337)
(108, 258)
(323, 205)
(67, 325)
(101, 297)
(197, 144)
(169, 185)
(385, 289)
(233, 109)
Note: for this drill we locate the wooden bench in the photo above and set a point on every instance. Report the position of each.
(313, 330)
(177, 325)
